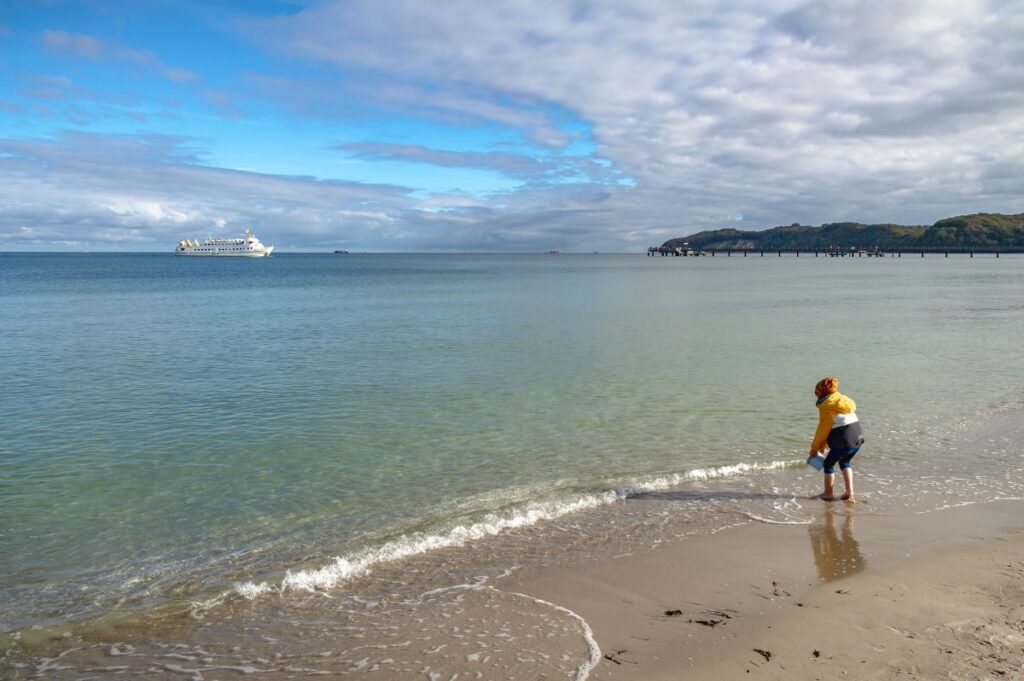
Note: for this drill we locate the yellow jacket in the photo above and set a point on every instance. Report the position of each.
(828, 409)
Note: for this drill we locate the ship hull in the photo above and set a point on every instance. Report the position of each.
(260, 254)
(246, 247)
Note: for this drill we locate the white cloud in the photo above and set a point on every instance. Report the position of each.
(81, 45)
(519, 166)
(92, 48)
(101, 188)
(785, 111)
(130, 192)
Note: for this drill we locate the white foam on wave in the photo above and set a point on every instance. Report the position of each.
(970, 502)
(774, 521)
(252, 590)
(361, 562)
(710, 473)
(343, 568)
(593, 649)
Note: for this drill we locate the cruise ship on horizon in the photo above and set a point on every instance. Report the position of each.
(248, 246)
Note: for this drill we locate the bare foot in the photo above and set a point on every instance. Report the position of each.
(848, 497)
(825, 497)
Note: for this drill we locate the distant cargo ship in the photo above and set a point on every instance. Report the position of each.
(247, 247)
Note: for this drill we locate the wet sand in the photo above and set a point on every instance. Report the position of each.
(855, 594)
(867, 590)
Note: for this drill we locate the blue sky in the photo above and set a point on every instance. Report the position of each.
(393, 125)
(190, 70)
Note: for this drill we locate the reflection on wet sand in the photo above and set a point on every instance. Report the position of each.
(835, 554)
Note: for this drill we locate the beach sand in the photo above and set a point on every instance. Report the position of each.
(852, 595)
(856, 590)
(855, 595)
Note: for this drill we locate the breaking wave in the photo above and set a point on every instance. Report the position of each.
(361, 562)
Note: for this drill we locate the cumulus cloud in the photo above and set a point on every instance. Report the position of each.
(148, 191)
(98, 188)
(781, 111)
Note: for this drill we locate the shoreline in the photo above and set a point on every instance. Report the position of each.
(587, 596)
(110, 514)
(876, 596)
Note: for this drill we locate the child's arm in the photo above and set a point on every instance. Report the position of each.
(821, 434)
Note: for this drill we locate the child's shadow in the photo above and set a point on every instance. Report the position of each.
(835, 554)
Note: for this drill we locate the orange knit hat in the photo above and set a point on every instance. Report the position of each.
(826, 386)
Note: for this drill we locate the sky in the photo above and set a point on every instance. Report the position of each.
(499, 126)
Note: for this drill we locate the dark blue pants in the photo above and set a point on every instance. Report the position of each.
(840, 456)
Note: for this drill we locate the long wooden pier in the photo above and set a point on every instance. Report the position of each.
(830, 253)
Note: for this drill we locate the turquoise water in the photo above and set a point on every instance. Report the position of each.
(172, 427)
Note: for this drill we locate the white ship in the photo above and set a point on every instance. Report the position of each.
(248, 246)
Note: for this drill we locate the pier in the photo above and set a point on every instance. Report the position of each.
(688, 251)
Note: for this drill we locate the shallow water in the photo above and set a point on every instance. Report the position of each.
(178, 431)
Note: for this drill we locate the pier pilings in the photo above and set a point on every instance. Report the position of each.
(832, 252)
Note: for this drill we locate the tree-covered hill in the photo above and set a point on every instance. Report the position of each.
(981, 230)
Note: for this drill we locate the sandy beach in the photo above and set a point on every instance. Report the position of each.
(348, 339)
(939, 595)
(889, 587)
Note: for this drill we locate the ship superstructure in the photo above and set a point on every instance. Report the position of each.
(247, 246)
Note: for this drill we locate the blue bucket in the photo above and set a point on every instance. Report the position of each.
(816, 462)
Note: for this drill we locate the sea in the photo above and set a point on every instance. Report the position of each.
(312, 463)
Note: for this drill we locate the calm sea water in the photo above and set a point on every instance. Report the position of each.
(174, 428)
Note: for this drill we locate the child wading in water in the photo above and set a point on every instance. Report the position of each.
(838, 429)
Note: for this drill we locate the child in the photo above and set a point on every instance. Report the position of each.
(838, 429)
